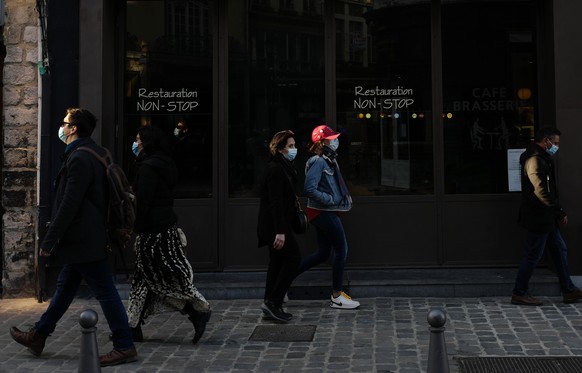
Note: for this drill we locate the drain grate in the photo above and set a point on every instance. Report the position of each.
(542, 364)
(283, 333)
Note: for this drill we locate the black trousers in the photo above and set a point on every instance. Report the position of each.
(283, 266)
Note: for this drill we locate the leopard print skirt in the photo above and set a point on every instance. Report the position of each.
(163, 277)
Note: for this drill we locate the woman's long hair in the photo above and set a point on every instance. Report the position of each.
(279, 141)
(316, 147)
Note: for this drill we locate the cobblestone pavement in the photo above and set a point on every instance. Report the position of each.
(384, 335)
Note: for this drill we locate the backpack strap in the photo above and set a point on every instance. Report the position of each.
(105, 161)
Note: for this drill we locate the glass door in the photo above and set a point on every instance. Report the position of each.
(168, 83)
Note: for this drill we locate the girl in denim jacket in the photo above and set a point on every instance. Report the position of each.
(327, 196)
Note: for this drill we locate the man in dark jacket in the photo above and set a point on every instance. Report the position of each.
(77, 239)
(541, 214)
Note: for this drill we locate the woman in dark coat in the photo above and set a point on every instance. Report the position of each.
(276, 211)
(163, 276)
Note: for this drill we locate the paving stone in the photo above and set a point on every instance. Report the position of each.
(385, 335)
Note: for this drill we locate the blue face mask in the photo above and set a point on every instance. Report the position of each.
(135, 148)
(334, 144)
(553, 149)
(291, 154)
(62, 135)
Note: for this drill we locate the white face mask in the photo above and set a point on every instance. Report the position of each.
(62, 135)
(291, 154)
(334, 144)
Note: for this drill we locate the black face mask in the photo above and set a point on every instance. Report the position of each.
(329, 152)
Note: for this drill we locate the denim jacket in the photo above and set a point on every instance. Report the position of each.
(325, 187)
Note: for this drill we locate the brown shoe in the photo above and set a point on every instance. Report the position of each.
(31, 339)
(573, 296)
(525, 300)
(116, 357)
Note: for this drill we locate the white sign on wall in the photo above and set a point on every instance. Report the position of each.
(514, 169)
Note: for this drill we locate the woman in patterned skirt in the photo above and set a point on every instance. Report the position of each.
(163, 276)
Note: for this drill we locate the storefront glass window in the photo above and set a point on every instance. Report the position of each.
(489, 83)
(168, 84)
(276, 82)
(384, 96)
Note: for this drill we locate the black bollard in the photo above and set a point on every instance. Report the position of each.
(438, 361)
(89, 361)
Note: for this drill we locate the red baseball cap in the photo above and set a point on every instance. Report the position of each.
(323, 132)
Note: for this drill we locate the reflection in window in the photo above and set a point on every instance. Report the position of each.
(168, 83)
(276, 82)
(383, 97)
(489, 91)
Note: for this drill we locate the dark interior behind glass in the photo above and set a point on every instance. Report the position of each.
(489, 78)
(276, 82)
(168, 84)
(384, 97)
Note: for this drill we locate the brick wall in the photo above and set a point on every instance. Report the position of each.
(19, 146)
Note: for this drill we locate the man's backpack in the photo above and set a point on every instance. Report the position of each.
(121, 201)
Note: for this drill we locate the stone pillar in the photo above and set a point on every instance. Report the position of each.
(567, 83)
(19, 148)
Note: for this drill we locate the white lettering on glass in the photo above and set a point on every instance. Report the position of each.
(181, 100)
(382, 98)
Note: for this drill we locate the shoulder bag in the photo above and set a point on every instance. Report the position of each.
(300, 223)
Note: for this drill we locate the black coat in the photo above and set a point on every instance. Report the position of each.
(154, 183)
(540, 210)
(277, 207)
(78, 229)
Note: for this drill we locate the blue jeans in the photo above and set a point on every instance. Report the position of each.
(100, 279)
(330, 238)
(534, 249)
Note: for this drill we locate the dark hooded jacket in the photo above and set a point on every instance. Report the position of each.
(540, 210)
(156, 177)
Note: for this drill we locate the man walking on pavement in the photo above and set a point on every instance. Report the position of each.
(541, 214)
(77, 239)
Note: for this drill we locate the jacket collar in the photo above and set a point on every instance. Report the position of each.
(81, 141)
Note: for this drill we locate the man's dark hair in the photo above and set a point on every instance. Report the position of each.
(154, 140)
(546, 132)
(83, 119)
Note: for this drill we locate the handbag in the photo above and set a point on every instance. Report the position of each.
(300, 223)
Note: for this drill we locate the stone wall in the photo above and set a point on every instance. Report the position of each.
(20, 142)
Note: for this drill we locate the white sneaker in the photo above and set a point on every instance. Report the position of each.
(343, 301)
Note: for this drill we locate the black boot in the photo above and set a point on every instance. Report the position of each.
(137, 334)
(199, 319)
(275, 312)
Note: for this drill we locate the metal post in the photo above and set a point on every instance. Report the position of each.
(438, 361)
(89, 361)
